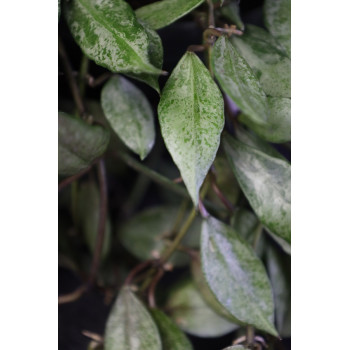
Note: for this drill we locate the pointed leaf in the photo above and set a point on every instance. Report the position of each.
(281, 242)
(146, 234)
(79, 144)
(267, 59)
(265, 181)
(236, 276)
(130, 326)
(231, 12)
(191, 117)
(238, 81)
(191, 313)
(172, 337)
(109, 33)
(162, 13)
(129, 114)
(278, 20)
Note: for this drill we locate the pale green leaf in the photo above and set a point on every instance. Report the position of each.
(238, 81)
(236, 347)
(278, 20)
(88, 215)
(236, 275)
(129, 114)
(191, 313)
(231, 12)
(162, 13)
(172, 337)
(148, 233)
(278, 267)
(79, 144)
(109, 33)
(130, 326)
(265, 181)
(191, 116)
(267, 59)
(278, 126)
(281, 242)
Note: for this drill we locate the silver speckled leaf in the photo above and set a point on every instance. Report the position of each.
(79, 144)
(238, 81)
(265, 181)
(236, 276)
(109, 33)
(162, 13)
(171, 335)
(130, 326)
(129, 114)
(278, 20)
(191, 117)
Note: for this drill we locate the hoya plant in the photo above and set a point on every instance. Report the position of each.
(174, 173)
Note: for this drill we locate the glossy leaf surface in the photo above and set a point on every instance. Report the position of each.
(130, 326)
(79, 144)
(172, 337)
(129, 114)
(162, 13)
(278, 21)
(108, 32)
(191, 313)
(265, 181)
(238, 81)
(146, 234)
(191, 116)
(236, 276)
(267, 59)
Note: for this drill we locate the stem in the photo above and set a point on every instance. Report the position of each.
(179, 217)
(221, 196)
(152, 288)
(136, 270)
(257, 236)
(70, 297)
(84, 69)
(72, 178)
(250, 335)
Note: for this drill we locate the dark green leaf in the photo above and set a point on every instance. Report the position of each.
(238, 81)
(108, 32)
(130, 326)
(278, 20)
(129, 114)
(162, 13)
(278, 267)
(191, 313)
(78, 144)
(146, 234)
(191, 116)
(267, 59)
(172, 337)
(231, 12)
(265, 181)
(88, 213)
(236, 276)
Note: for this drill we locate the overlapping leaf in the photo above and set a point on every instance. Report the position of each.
(236, 276)
(191, 117)
(162, 13)
(130, 326)
(232, 12)
(79, 144)
(265, 181)
(130, 114)
(109, 33)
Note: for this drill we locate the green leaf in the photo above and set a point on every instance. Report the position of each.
(265, 181)
(147, 234)
(281, 242)
(236, 347)
(59, 9)
(278, 126)
(162, 13)
(231, 12)
(88, 213)
(191, 116)
(278, 20)
(172, 337)
(278, 267)
(79, 144)
(130, 326)
(191, 313)
(267, 59)
(129, 114)
(108, 33)
(238, 81)
(155, 50)
(236, 276)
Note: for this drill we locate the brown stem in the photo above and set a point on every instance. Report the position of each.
(72, 178)
(152, 288)
(250, 335)
(221, 196)
(73, 296)
(136, 270)
(211, 18)
(94, 82)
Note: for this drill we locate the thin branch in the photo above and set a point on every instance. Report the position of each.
(136, 270)
(152, 288)
(72, 178)
(222, 197)
(211, 18)
(73, 296)
(94, 82)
